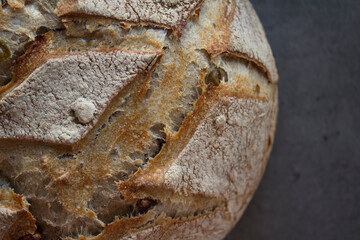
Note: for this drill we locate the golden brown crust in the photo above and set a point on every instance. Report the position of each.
(15, 219)
(170, 156)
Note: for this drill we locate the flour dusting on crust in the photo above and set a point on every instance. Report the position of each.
(42, 106)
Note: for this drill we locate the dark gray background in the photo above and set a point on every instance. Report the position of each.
(311, 188)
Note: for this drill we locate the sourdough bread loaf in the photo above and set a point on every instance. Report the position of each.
(140, 119)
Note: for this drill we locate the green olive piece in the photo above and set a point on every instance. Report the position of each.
(215, 76)
(4, 52)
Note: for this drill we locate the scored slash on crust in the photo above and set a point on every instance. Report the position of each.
(169, 14)
(63, 98)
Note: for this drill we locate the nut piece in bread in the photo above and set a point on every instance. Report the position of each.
(132, 119)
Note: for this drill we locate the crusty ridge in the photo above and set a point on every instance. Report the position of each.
(172, 14)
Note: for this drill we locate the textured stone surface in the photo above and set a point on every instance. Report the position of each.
(311, 186)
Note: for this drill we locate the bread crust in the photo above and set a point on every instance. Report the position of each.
(153, 152)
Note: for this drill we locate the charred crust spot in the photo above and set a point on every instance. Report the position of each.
(215, 76)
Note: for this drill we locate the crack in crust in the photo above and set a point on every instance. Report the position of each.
(70, 92)
(169, 14)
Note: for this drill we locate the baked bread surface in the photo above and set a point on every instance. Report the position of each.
(141, 119)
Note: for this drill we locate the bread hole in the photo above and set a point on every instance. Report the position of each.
(154, 146)
(5, 53)
(155, 79)
(5, 79)
(216, 76)
(57, 211)
(4, 182)
(128, 167)
(28, 45)
(193, 94)
(98, 131)
(158, 130)
(199, 91)
(257, 89)
(136, 155)
(35, 236)
(42, 30)
(31, 183)
(121, 176)
(7, 170)
(22, 38)
(114, 154)
(148, 93)
(58, 223)
(84, 226)
(67, 156)
(108, 203)
(177, 117)
(115, 115)
(142, 206)
(205, 210)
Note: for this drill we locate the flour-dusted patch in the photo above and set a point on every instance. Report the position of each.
(171, 14)
(214, 163)
(45, 106)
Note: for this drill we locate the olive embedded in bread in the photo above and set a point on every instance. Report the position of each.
(132, 119)
(4, 52)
